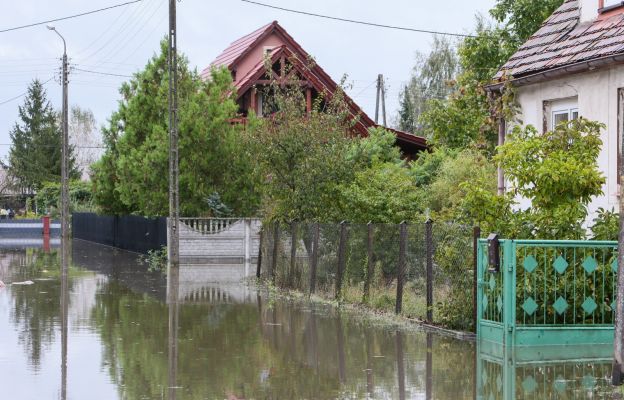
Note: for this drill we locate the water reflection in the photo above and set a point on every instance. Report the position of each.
(565, 373)
(122, 332)
(65, 262)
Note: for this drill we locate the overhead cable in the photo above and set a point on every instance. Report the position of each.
(353, 21)
(69, 16)
(22, 94)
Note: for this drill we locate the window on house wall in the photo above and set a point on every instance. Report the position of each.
(563, 111)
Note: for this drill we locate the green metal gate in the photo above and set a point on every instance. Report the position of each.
(547, 293)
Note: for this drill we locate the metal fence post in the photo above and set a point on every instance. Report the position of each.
(429, 262)
(476, 235)
(313, 267)
(401, 267)
(342, 247)
(275, 249)
(293, 254)
(371, 264)
(259, 266)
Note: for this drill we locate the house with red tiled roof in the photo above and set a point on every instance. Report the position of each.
(247, 58)
(574, 66)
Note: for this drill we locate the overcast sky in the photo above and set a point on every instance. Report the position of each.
(121, 40)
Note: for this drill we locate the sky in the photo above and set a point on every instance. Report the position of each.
(120, 41)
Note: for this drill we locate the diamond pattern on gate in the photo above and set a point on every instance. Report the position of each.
(529, 384)
(560, 384)
(485, 302)
(590, 264)
(499, 303)
(529, 264)
(560, 265)
(561, 305)
(492, 282)
(529, 306)
(589, 305)
(614, 265)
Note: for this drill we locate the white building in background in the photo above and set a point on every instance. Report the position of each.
(574, 66)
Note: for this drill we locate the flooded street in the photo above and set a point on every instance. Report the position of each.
(134, 334)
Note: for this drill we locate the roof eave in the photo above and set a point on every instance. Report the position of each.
(553, 73)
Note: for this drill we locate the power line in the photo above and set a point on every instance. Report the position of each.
(22, 94)
(69, 16)
(353, 21)
(55, 146)
(103, 73)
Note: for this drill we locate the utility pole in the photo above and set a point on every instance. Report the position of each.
(64, 149)
(174, 201)
(381, 97)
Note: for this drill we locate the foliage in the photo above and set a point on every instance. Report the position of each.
(468, 117)
(466, 168)
(302, 156)
(558, 172)
(384, 193)
(523, 17)
(431, 78)
(378, 147)
(47, 199)
(606, 225)
(84, 137)
(129, 178)
(156, 260)
(35, 154)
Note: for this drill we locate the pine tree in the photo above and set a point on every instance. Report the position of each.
(35, 154)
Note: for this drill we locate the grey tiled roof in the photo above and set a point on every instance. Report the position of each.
(562, 40)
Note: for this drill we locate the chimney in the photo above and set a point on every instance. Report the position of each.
(589, 9)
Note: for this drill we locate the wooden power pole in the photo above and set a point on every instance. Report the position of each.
(174, 200)
(381, 98)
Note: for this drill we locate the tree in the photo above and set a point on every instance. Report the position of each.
(302, 157)
(84, 137)
(557, 171)
(131, 176)
(431, 79)
(467, 117)
(35, 154)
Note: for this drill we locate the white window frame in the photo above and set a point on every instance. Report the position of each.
(567, 107)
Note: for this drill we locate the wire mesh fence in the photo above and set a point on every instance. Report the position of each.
(423, 271)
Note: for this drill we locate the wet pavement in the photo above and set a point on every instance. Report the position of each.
(134, 334)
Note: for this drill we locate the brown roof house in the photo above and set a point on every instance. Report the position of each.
(574, 66)
(246, 58)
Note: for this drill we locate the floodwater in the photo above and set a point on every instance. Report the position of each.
(114, 330)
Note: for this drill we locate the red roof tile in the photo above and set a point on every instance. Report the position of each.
(562, 40)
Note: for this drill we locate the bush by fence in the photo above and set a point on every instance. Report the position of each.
(128, 232)
(423, 271)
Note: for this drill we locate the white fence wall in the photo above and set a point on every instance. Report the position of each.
(204, 242)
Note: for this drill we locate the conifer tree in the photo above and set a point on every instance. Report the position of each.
(35, 154)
